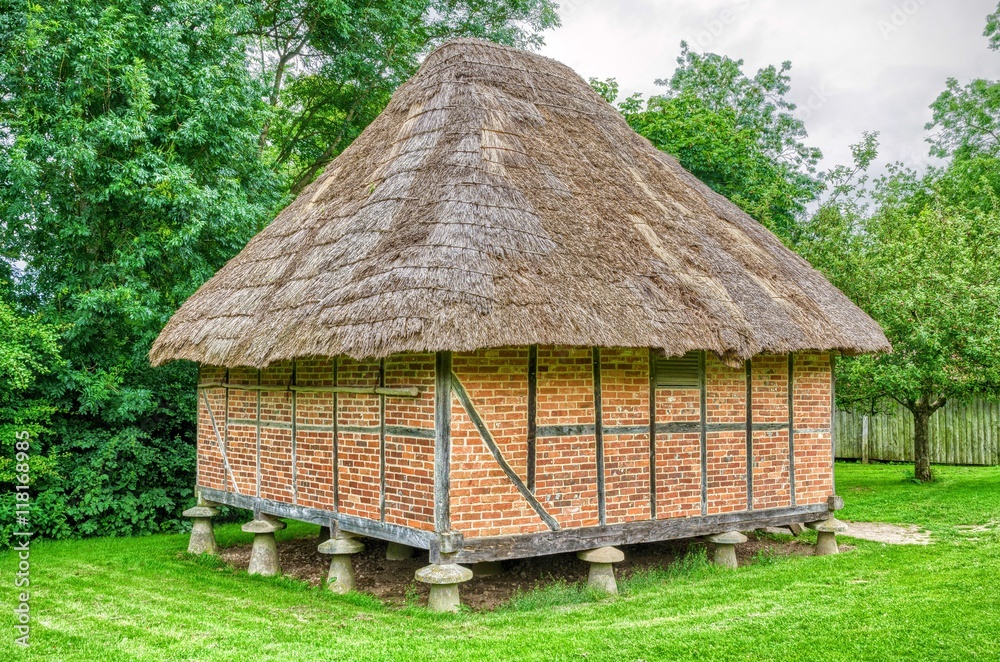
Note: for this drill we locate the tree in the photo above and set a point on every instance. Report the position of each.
(330, 66)
(737, 134)
(130, 174)
(925, 263)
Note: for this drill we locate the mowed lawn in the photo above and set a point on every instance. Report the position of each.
(142, 599)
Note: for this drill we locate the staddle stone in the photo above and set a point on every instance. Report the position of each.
(201, 511)
(442, 575)
(341, 546)
(727, 538)
(444, 581)
(601, 555)
(828, 526)
(263, 524)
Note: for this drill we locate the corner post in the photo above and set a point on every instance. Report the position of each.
(442, 443)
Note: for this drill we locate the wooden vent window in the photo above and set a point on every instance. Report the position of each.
(679, 371)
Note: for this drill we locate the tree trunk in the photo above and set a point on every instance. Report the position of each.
(922, 445)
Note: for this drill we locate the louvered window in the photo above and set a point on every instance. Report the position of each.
(679, 372)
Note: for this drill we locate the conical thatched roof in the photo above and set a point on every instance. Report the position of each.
(499, 201)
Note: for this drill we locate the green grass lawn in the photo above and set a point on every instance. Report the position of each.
(141, 599)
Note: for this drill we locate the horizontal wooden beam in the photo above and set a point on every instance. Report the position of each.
(631, 533)
(683, 427)
(402, 392)
(350, 523)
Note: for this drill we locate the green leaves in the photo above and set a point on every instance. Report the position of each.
(132, 174)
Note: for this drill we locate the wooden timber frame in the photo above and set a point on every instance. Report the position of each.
(445, 544)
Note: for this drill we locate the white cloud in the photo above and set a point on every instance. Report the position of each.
(878, 63)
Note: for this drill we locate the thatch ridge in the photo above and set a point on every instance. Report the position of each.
(500, 201)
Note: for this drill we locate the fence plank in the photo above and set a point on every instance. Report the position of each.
(960, 433)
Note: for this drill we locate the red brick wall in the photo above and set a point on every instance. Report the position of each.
(276, 442)
(358, 452)
(813, 455)
(678, 454)
(566, 467)
(727, 454)
(484, 502)
(314, 448)
(771, 487)
(211, 472)
(409, 461)
(625, 402)
(241, 442)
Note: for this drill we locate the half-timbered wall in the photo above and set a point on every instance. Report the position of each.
(539, 439)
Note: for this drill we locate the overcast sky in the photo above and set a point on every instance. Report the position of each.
(856, 64)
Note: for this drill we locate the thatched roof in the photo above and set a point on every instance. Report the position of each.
(499, 201)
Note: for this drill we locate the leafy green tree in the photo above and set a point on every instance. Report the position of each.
(736, 133)
(330, 66)
(130, 174)
(925, 263)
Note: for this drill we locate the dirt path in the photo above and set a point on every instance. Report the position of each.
(890, 534)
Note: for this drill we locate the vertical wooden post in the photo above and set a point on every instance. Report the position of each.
(652, 434)
(336, 438)
(381, 441)
(791, 426)
(703, 403)
(864, 439)
(599, 438)
(258, 435)
(749, 440)
(295, 459)
(532, 413)
(442, 443)
(225, 431)
(833, 422)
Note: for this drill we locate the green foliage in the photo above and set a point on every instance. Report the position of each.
(130, 176)
(926, 265)
(966, 120)
(735, 133)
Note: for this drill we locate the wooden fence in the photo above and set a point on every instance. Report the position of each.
(961, 433)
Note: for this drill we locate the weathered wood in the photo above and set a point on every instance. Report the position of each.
(599, 438)
(396, 392)
(791, 426)
(295, 459)
(703, 406)
(335, 459)
(257, 425)
(225, 433)
(349, 523)
(960, 433)
(381, 441)
(749, 433)
(218, 441)
(833, 419)
(470, 409)
(688, 427)
(652, 434)
(532, 414)
(442, 442)
(632, 533)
